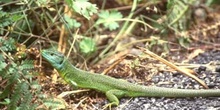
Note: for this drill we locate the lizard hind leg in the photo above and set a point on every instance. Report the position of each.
(113, 96)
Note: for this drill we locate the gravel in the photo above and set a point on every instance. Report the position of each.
(177, 80)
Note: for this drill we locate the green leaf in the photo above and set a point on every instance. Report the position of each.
(6, 18)
(16, 17)
(87, 46)
(5, 102)
(7, 44)
(6, 1)
(42, 2)
(83, 7)
(71, 23)
(69, 2)
(184, 41)
(108, 19)
(54, 103)
(2, 65)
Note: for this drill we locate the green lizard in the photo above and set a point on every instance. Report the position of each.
(112, 87)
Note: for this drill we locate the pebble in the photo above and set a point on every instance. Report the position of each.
(217, 69)
(201, 68)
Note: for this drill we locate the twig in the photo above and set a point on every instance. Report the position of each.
(113, 65)
(174, 66)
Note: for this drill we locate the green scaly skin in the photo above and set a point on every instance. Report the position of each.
(113, 88)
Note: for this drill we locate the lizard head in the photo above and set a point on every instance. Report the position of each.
(56, 59)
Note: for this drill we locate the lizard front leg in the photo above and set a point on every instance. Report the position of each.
(113, 96)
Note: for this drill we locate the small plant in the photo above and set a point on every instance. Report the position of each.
(7, 19)
(71, 23)
(17, 77)
(83, 7)
(178, 18)
(108, 19)
(87, 46)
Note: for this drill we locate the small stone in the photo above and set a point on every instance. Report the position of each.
(155, 79)
(196, 86)
(153, 100)
(217, 69)
(201, 68)
(146, 106)
(211, 85)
